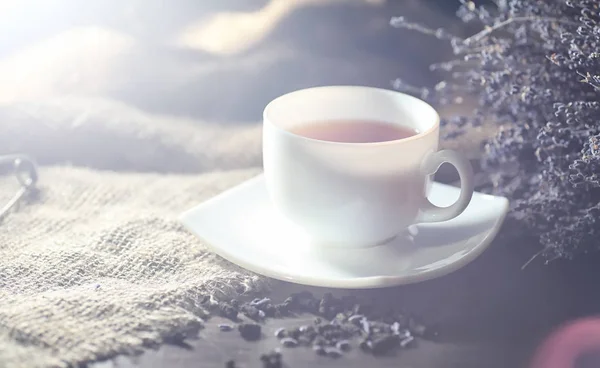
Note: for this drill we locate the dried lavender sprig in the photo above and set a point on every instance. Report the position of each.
(534, 68)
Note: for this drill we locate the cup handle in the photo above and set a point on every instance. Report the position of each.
(432, 162)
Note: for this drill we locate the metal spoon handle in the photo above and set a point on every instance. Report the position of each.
(25, 170)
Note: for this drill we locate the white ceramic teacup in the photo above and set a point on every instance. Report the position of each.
(356, 194)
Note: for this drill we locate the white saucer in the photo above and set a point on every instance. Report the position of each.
(241, 226)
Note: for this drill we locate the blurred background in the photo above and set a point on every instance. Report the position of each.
(156, 85)
(220, 60)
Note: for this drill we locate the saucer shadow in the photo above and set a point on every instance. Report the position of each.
(431, 235)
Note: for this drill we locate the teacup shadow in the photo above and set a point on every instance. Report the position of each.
(422, 248)
(358, 262)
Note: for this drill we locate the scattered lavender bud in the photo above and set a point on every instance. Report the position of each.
(319, 340)
(381, 329)
(280, 333)
(366, 326)
(356, 319)
(294, 333)
(366, 345)
(384, 344)
(319, 350)
(304, 340)
(261, 302)
(340, 317)
(343, 345)
(227, 311)
(395, 327)
(252, 312)
(304, 328)
(250, 331)
(225, 327)
(404, 333)
(333, 352)
(407, 341)
(289, 342)
(273, 359)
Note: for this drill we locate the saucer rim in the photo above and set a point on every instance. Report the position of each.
(366, 282)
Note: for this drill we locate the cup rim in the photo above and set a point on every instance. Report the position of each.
(433, 128)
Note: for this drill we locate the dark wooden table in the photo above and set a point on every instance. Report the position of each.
(491, 314)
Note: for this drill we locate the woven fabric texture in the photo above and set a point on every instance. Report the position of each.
(96, 263)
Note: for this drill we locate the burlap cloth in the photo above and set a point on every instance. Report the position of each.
(98, 264)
